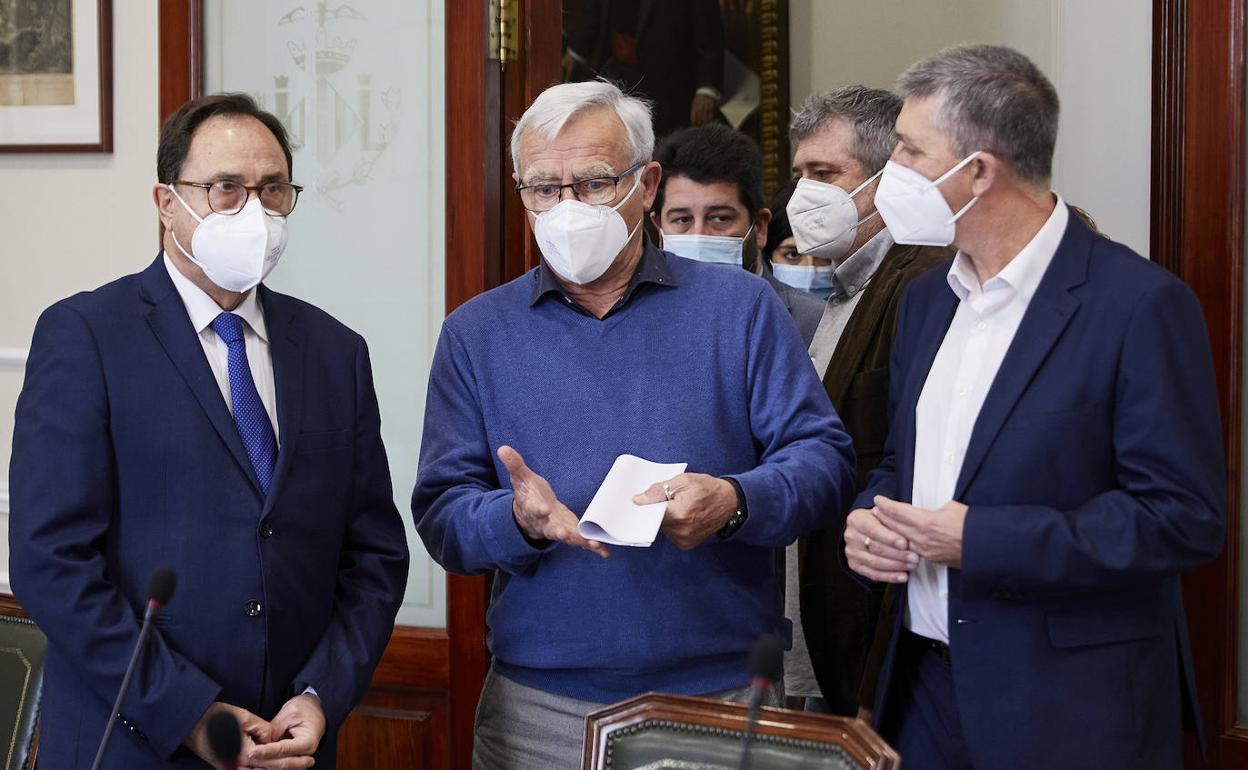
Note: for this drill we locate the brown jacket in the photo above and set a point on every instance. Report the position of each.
(839, 614)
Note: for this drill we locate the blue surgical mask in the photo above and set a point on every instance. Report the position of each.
(812, 279)
(713, 249)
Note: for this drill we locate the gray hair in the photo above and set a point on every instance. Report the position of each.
(993, 99)
(555, 106)
(871, 111)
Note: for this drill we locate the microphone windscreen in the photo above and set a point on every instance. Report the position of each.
(225, 739)
(160, 586)
(767, 658)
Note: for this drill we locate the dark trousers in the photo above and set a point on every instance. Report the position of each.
(923, 724)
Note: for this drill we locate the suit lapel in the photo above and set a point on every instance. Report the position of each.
(1044, 321)
(286, 348)
(169, 321)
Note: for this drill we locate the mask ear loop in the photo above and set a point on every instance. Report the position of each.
(950, 173)
(190, 211)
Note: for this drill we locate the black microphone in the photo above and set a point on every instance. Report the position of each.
(766, 666)
(225, 739)
(159, 589)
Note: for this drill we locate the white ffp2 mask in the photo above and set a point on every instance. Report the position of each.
(913, 208)
(824, 218)
(580, 241)
(235, 251)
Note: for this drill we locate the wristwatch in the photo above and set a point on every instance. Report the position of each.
(737, 519)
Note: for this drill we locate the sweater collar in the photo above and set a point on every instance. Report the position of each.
(652, 268)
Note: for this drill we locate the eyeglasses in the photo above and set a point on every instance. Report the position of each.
(224, 197)
(596, 192)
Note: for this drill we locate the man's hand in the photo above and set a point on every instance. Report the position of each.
(255, 730)
(934, 535)
(538, 512)
(296, 733)
(874, 550)
(699, 506)
(702, 110)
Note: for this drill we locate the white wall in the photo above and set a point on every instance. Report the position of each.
(74, 221)
(1103, 160)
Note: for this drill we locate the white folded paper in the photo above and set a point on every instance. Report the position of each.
(613, 518)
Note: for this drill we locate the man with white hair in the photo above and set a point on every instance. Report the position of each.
(612, 346)
(1054, 461)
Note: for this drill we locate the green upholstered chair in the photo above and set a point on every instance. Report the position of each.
(22, 646)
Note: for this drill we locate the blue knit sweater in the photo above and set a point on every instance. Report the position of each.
(698, 364)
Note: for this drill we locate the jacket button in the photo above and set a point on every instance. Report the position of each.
(252, 608)
(266, 530)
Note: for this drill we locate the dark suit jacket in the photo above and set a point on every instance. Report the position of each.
(804, 308)
(125, 458)
(680, 48)
(838, 613)
(1094, 477)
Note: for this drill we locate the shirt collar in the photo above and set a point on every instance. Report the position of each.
(1024, 272)
(204, 309)
(653, 268)
(852, 275)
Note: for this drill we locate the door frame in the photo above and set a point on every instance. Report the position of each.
(1198, 233)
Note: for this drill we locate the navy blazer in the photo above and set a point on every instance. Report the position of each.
(1094, 477)
(126, 458)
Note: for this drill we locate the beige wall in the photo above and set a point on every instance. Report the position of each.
(75, 221)
(1103, 159)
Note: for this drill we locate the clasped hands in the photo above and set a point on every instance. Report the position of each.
(884, 543)
(698, 506)
(289, 741)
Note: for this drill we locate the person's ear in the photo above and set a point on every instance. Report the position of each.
(162, 196)
(761, 220)
(650, 176)
(986, 170)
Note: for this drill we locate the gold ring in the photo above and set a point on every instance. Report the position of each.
(667, 492)
(866, 544)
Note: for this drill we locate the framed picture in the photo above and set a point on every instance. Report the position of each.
(56, 76)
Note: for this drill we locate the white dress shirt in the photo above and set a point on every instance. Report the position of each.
(203, 309)
(965, 366)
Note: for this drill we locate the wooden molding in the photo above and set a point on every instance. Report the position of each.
(181, 53)
(854, 736)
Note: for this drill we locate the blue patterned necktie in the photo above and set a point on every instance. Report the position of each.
(249, 413)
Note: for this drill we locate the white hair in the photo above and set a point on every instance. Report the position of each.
(558, 104)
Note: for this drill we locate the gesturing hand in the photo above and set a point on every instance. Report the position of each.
(538, 512)
(936, 535)
(699, 506)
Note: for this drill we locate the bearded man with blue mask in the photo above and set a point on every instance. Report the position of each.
(709, 208)
(612, 346)
(189, 417)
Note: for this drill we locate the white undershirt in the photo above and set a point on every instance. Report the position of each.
(965, 366)
(203, 309)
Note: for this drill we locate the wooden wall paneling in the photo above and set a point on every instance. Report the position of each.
(1198, 199)
(475, 263)
(181, 52)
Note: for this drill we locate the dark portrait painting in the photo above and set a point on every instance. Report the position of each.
(36, 52)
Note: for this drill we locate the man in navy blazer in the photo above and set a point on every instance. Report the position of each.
(1054, 462)
(241, 449)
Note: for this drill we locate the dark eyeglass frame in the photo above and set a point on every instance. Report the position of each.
(250, 189)
(613, 180)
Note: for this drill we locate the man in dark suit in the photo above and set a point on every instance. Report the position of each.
(189, 417)
(842, 139)
(671, 52)
(709, 208)
(1054, 461)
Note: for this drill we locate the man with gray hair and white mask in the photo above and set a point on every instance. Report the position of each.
(842, 139)
(611, 347)
(1054, 461)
